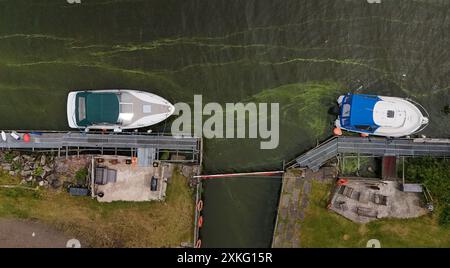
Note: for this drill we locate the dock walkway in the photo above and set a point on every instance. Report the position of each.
(111, 142)
(373, 146)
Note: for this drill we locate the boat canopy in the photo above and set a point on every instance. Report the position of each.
(96, 108)
(357, 112)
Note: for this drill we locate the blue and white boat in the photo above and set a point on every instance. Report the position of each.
(380, 116)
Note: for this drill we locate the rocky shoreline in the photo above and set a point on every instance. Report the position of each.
(44, 169)
(31, 167)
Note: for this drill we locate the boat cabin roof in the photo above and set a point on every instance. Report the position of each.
(357, 110)
(97, 108)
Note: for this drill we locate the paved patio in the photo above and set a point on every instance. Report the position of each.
(132, 182)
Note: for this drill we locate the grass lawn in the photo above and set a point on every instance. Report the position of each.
(117, 224)
(323, 228)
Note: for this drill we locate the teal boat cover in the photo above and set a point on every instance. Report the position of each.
(96, 108)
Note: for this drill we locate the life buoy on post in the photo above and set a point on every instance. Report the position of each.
(200, 222)
(199, 205)
(198, 244)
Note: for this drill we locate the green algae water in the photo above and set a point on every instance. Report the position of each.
(301, 54)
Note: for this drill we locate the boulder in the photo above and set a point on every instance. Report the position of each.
(6, 167)
(30, 178)
(16, 159)
(43, 160)
(27, 157)
(25, 173)
(55, 183)
(47, 169)
(12, 173)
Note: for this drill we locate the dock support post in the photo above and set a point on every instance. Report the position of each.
(403, 170)
(359, 165)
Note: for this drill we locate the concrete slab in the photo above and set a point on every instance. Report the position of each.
(376, 200)
(133, 182)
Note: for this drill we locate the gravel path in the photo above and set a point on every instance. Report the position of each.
(28, 234)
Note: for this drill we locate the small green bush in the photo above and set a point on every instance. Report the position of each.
(80, 176)
(9, 156)
(38, 171)
(435, 175)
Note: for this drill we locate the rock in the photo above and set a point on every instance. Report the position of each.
(16, 159)
(43, 160)
(187, 171)
(370, 168)
(26, 167)
(6, 167)
(25, 173)
(55, 183)
(47, 169)
(29, 178)
(43, 183)
(27, 157)
(12, 173)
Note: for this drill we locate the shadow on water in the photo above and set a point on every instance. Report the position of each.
(301, 54)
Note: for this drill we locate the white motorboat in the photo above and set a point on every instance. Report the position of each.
(116, 109)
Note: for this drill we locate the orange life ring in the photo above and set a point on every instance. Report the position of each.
(337, 131)
(198, 244)
(199, 205)
(200, 222)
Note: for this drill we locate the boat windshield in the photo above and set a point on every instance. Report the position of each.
(81, 108)
(346, 110)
